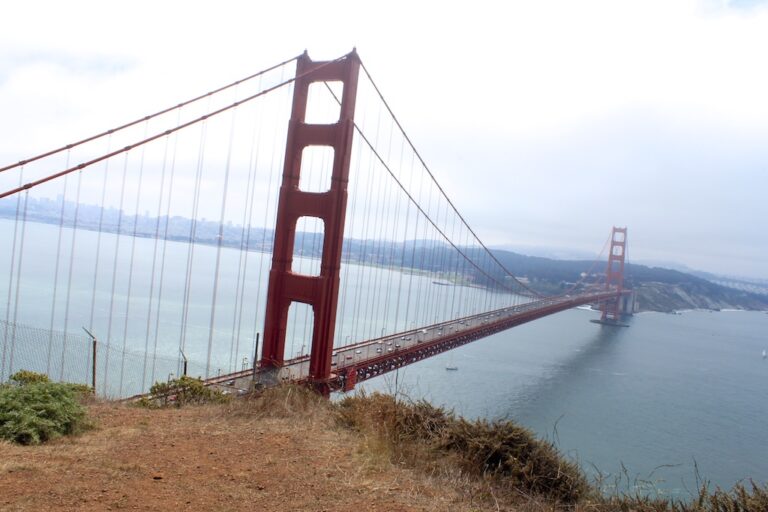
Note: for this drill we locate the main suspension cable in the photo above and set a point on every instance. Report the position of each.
(145, 118)
(426, 168)
(165, 133)
(419, 207)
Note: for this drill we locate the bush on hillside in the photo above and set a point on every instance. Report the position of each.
(34, 410)
(182, 391)
(501, 448)
(23, 377)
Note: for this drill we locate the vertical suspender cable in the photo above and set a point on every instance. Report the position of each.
(114, 273)
(439, 254)
(413, 254)
(391, 259)
(379, 244)
(164, 250)
(262, 259)
(350, 227)
(155, 243)
(72, 261)
(249, 228)
(426, 248)
(242, 267)
(262, 253)
(192, 238)
(18, 280)
(402, 256)
(10, 279)
(454, 275)
(369, 330)
(130, 266)
(219, 242)
(385, 273)
(341, 321)
(56, 276)
(98, 236)
(365, 264)
(245, 237)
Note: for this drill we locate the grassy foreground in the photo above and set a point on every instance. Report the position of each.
(287, 449)
(506, 462)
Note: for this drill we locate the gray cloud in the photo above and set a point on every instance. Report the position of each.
(547, 122)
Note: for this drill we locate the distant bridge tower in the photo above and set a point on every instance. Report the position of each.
(322, 291)
(614, 276)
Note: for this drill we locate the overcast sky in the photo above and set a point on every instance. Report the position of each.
(546, 121)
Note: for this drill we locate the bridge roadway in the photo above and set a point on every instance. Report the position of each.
(361, 361)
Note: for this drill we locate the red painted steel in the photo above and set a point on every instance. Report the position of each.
(364, 370)
(345, 377)
(614, 275)
(285, 286)
(350, 379)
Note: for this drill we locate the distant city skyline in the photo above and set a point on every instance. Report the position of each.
(49, 211)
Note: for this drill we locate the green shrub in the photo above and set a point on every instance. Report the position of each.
(38, 411)
(182, 391)
(23, 377)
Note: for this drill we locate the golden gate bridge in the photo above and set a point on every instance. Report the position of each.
(372, 265)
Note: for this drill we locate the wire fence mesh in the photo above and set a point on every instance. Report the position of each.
(69, 357)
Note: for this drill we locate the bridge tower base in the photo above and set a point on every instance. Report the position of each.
(614, 277)
(285, 287)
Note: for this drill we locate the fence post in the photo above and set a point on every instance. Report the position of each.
(255, 355)
(93, 361)
(184, 368)
(93, 371)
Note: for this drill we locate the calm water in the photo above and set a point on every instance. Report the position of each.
(667, 395)
(662, 397)
(135, 311)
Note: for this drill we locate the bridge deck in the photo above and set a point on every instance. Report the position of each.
(361, 361)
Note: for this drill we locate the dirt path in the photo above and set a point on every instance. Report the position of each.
(206, 458)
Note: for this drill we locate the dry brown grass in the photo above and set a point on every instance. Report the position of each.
(286, 401)
(287, 449)
(279, 452)
(498, 462)
(742, 498)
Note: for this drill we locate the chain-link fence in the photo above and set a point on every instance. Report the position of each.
(69, 357)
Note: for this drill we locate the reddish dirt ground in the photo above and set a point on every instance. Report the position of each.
(211, 458)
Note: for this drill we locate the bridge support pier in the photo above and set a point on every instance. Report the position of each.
(614, 277)
(285, 287)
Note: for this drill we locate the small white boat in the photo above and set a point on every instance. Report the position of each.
(764, 354)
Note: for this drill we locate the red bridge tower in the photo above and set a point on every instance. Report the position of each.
(285, 287)
(614, 276)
